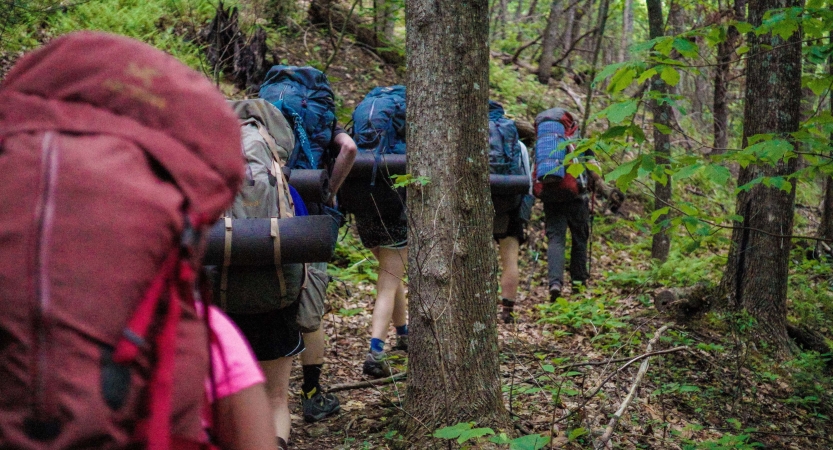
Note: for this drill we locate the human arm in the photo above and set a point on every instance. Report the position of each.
(242, 421)
(343, 164)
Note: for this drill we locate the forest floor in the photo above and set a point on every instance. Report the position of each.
(721, 391)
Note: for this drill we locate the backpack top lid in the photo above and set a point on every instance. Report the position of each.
(132, 90)
(562, 116)
(268, 115)
(379, 120)
(495, 110)
(305, 97)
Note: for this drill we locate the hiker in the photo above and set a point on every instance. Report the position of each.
(508, 156)
(114, 162)
(381, 220)
(306, 98)
(566, 203)
(237, 389)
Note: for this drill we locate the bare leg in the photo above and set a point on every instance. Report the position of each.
(508, 248)
(389, 284)
(277, 373)
(315, 348)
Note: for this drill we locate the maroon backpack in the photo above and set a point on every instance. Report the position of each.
(115, 158)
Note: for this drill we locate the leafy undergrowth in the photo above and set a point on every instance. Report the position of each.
(721, 391)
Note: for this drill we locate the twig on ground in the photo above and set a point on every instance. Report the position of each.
(643, 368)
(368, 383)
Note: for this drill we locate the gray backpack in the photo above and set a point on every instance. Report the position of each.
(267, 141)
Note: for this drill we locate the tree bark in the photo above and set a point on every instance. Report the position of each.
(661, 242)
(550, 41)
(757, 268)
(330, 12)
(627, 29)
(385, 20)
(453, 367)
(720, 107)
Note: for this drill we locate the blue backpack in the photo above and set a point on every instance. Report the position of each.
(504, 146)
(305, 97)
(379, 123)
(554, 127)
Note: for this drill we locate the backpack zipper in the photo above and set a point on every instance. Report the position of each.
(44, 422)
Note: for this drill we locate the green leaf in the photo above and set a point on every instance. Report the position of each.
(686, 171)
(656, 214)
(743, 27)
(575, 169)
(549, 368)
(718, 174)
(646, 75)
(622, 170)
(770, 151)
(621, 79)
(474, 433)
(453, 431)
(665, 45)
(743, 49)
(670, 75)
(664, 129)
(608, 71)
(618, 112)
(685, 47)
(529, 442)
(576, 433)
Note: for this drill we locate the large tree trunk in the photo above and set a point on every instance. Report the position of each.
(758, 265)
(661, 243)
(332, 13)
(550, 41)
(720, 107)
(627, 29)
(453, 366)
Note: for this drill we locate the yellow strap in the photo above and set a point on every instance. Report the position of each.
(226, 264)
(276, 241)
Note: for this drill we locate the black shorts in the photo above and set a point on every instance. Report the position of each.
(272, 335)
(509, 225)
(375, 231)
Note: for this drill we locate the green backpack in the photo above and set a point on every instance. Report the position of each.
(267, 141)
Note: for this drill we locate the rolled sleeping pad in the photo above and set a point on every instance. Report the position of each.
(303, 239)
(509, 184)
(390, 164)
(312, 185)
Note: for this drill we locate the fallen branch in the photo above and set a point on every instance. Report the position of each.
(368, 383)
(609, 377)
(563, 86)
(631, 394)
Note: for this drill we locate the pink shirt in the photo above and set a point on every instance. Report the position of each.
(232, 360)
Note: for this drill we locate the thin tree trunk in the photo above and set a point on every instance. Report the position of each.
(550, 41)
(720, 107)
(826, 226)
(627, 29)
(661, 242)
(569, 21)
(453, 366)
(757, 268)
(384, 21)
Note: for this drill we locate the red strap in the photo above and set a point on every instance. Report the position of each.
(162, 380)
(136, 330)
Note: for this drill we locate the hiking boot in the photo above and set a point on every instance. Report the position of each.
(401, 343)
(376, 366)
(318, 405)
(555, 291)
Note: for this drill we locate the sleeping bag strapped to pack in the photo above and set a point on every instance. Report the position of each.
(114, 162)
(305, 97)
(266, 140)
(378, 129)
(504, 154)
(555, 127)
